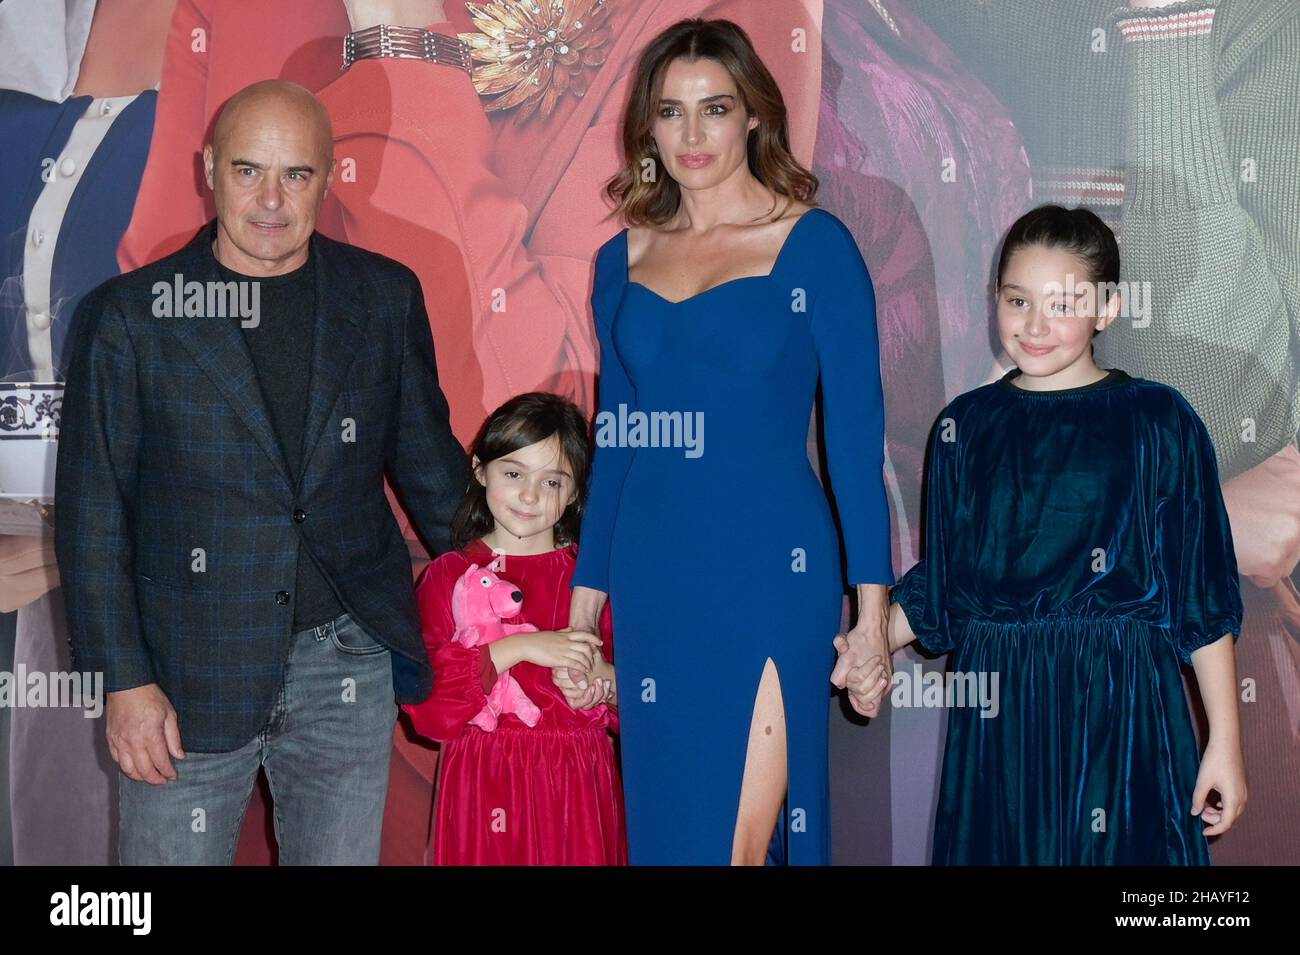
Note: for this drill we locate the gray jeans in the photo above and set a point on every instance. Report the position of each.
(326, 750)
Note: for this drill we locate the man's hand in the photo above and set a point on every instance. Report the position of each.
(142, 732)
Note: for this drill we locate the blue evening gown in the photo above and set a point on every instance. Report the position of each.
(716, 562)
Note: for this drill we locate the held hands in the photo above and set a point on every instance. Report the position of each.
(142, 732)
(584, 611)
(863, 666)
(866, 682)
(585, 688)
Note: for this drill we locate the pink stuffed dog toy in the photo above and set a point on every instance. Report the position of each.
(478, 602)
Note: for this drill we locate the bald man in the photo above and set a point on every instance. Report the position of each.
(230, 561)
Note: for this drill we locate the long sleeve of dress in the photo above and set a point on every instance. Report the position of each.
(1195, 539)
(1212, 214)
(462, 676)
(610, 463)
(847, 341)
(922, 593)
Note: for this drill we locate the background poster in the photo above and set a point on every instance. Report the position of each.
(932, 124)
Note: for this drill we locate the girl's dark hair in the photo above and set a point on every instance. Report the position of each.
(640, 201)
(1075, 230)
(521, 421)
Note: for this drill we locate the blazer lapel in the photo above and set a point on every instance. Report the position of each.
(217, 345)
(219, 348)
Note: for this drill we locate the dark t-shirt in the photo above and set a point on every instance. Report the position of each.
(281, 343)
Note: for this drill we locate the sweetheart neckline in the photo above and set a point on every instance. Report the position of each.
(785, 244)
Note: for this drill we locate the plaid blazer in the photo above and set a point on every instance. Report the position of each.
(177, 525)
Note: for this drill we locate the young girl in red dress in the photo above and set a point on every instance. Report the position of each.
(546, 794)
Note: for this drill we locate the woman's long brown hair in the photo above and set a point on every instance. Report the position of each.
(641, 191)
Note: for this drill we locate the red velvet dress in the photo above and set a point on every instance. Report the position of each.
(543, 795)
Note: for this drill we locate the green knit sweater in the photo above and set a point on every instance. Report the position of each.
(1180, 126)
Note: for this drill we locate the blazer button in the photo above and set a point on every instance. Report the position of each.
(282, 597)
(299, 515)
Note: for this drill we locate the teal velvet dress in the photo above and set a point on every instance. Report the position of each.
(1076, 550)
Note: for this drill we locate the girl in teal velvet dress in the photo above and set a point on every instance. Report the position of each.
(1077, 550)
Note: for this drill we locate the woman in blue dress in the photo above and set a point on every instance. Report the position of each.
(1077, 550)
(706, 524)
